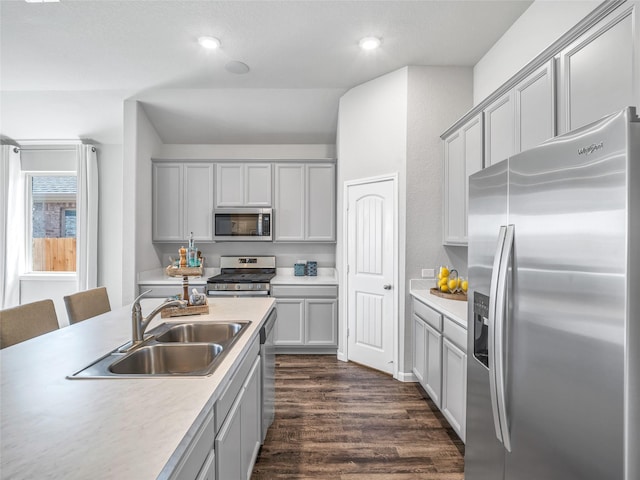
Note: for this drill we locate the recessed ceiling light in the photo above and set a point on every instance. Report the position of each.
(370, 43)
(209, 42)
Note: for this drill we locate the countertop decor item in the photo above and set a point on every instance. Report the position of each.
(189, 310)
(312, 268)
(299, 268)
(451, 296)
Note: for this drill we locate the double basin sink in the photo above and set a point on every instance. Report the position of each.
(172, 349)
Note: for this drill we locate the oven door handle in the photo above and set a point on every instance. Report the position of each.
(237, 293)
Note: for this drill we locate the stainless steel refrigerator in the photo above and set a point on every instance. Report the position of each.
(554, 301)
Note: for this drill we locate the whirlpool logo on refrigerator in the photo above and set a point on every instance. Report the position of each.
(594, 147)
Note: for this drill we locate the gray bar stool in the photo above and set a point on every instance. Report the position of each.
(21, 323)
(87, 304)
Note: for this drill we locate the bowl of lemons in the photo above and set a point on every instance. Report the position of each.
(449, 282)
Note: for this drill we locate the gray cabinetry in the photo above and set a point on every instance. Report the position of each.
(440, 362)
(182, 201)
(599, 72)
(535, 109)
(462, 157)
(305, 202)
(243, 185)
(238, 439)
(307, 318)
(197, 460)
(499, 130)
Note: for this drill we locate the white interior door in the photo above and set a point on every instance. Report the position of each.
(370, 273)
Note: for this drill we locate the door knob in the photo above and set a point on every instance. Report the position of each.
(387, 287)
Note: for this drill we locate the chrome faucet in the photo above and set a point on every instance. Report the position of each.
(139, 323)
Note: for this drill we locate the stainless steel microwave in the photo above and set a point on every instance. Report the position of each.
(242, 224)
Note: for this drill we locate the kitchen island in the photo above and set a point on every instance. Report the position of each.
(53, 427)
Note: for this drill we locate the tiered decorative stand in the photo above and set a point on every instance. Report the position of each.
(185, 273)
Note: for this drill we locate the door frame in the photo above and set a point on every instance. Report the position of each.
(344, 308)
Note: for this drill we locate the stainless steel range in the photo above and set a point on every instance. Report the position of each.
(242, 276)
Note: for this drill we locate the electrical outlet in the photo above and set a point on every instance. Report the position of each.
(428, 273)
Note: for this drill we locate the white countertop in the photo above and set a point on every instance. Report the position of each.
(456, 310)
(57, 428)
(284, 276)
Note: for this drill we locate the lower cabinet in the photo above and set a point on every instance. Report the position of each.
(197, 461)
(440, 363)
(427, 351)
(238, 440)
(308, 322)
(454, 386)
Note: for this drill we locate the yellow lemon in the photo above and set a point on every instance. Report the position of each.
(465, 285)
(453, 283)
(444, 288)
(459, 282)
(444, 271)
(443, 281)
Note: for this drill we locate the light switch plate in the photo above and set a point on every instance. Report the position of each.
(428, 273)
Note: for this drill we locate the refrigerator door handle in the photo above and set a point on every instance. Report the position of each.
(499, 333)
(495, 273)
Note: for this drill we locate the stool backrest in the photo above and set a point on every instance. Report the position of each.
(21, 323)
(87, 304)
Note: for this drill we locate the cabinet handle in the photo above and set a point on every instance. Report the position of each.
(387, 287)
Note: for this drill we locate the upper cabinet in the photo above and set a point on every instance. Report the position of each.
(534, 108)
(599, 72)
(462, 157)
(592, 71)
(499, 130)
(305, 202)
(182, 201)
(243, 185)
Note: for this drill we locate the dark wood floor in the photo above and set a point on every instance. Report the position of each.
(342, 421)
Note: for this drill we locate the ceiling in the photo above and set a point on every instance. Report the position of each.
(67, 67)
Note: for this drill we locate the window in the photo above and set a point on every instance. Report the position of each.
(52, 222)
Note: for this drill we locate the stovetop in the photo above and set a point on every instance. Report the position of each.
(234, 277)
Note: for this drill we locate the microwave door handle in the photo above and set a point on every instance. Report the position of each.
(500, 330)
(495, 273)
(259, 224)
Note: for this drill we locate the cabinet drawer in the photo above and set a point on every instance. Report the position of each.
(304, 291)
(197, 452)
(455, 333)
(429, 315)
(224, 403)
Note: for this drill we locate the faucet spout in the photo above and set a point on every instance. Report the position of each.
(139, 323)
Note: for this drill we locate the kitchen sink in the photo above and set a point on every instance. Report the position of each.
(175, 349)
(205, 332)
(192, 359)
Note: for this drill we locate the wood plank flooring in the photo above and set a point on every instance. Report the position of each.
(342, 421)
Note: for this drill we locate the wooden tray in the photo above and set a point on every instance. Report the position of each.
(182, 312)
(451, 296)
(184, 271)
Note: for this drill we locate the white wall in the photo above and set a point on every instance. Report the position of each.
(393, 124)
(538, 27)
(372, 137)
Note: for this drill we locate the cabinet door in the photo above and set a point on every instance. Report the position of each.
(251, 422)
(257, 185)
(289, 202)
(168, 203)
(320, 217)
(499, 130)
(419, 349)
(600, 71)
(433, 371)
(229, 184)
(228, 445)
(198, 200)
(321, 321)
(463, 156)
(208, 471)
(289, 328)
(454, 183)
(535, 108)
(454, 386)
